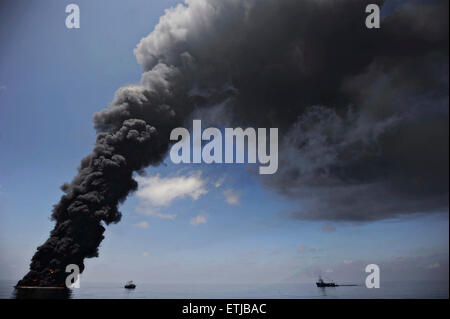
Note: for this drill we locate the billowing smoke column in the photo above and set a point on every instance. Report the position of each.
(362, 114)
(126, 145)
(104, 180)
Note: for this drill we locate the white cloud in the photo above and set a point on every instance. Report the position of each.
(162, 191)
(155, 192)
(231, 197)
(142, 224)
(198, 220)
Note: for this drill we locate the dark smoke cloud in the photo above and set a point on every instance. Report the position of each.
(363, 114)
(133, 134)
(104, 180)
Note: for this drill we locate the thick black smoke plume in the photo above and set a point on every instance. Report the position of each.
(126, 145)
(362, 114)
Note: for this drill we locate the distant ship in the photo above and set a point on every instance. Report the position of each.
(320, 283)
(130, 285)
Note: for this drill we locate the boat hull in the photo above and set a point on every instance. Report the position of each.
(325, 284)
(130, 286)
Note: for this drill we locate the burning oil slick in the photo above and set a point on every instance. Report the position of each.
(296, 65)
(41, 293)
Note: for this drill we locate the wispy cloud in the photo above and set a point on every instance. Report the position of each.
(145, 254)
(155, 192)
(162, 215)
(232, 197)
(219, 182)
(253, 253)
(142, 224)
(433, 266)
(160, 191)
(198, 220)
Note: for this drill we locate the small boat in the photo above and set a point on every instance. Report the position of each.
(320, 283)
(130, 285)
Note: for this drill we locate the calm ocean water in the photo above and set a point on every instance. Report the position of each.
(183, 291)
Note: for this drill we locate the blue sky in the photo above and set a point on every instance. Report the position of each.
(53, 79)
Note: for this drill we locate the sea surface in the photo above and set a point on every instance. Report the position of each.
(391, 290)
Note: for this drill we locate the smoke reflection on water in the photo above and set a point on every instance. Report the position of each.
(41, 293)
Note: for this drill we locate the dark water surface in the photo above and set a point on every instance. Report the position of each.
(87, 290)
